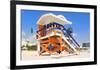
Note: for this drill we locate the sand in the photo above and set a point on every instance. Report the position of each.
(33, 55)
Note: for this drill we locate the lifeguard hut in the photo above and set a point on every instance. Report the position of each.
(53, 37)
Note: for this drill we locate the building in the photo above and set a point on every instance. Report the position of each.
(86, 44)
(52, 36)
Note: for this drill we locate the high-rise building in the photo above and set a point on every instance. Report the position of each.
(87, 44)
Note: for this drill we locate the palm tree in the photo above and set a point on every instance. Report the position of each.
(70, 30)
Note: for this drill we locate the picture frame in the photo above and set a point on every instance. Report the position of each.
(18, 12)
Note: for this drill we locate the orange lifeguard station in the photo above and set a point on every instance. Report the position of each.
(52, 36)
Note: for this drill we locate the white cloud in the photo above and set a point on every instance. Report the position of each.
(74, 34)
(31, 38)
(23, 33)
(24, 36)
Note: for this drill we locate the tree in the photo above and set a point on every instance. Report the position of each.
(70, 30)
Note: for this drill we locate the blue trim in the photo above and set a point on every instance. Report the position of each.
(63, 29)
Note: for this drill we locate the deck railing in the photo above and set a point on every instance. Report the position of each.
(54, 26)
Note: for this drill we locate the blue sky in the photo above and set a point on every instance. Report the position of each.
(80, 23)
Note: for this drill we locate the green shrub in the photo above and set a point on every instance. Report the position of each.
(31, 47)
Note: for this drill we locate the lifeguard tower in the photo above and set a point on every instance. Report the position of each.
(53, 37)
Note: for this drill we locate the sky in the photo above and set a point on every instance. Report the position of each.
(80, 23)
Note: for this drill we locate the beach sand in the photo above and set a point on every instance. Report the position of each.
(33, 55)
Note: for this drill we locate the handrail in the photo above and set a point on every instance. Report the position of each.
(73, 39)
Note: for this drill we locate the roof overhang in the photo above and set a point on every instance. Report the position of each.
(49, 18)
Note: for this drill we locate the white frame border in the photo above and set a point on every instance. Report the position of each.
(48, 8)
